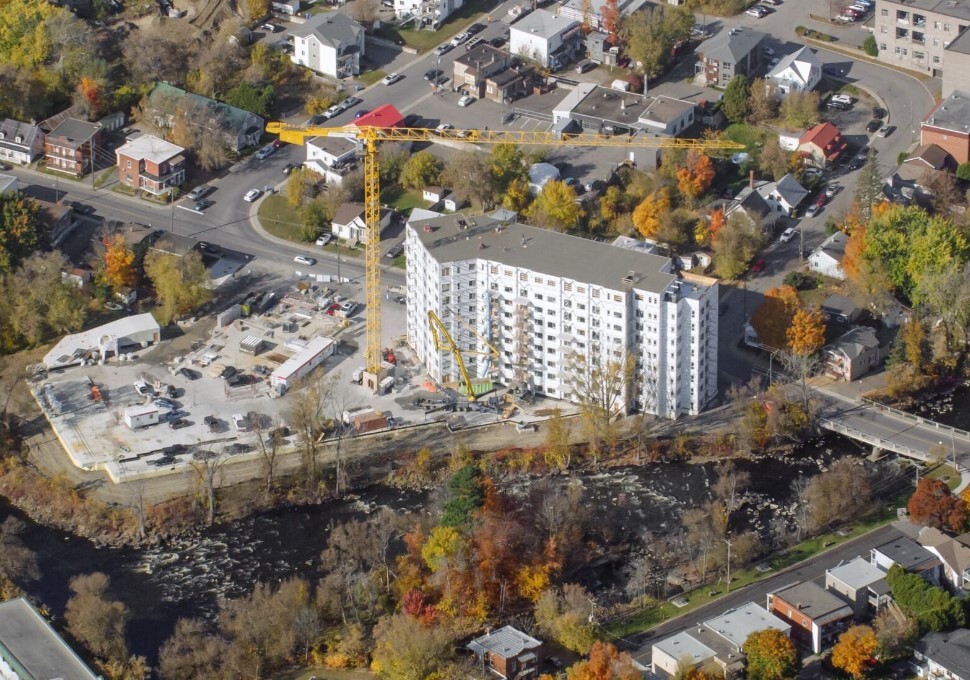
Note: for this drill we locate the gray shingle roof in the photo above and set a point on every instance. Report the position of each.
(731, 45)
(506, 642)
(237, 120)
(333, 28)
(950, 650)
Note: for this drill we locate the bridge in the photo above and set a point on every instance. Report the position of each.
(890, 429)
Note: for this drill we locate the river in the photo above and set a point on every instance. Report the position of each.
(187, 577)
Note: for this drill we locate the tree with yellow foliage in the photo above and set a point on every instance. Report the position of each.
(119, 264)
(774, 316)
(649, 215)
(854, 651)
(806, 334)
(605, 663)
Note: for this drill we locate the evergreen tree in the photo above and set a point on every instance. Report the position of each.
(736, 103)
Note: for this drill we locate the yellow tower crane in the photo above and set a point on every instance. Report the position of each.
(372, 136)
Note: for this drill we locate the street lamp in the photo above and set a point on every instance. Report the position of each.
(728, 565)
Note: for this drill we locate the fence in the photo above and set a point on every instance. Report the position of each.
(883, 408)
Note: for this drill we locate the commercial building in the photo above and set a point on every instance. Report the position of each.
(862, 585)
(312, 354)
(138, 331)
(816, 615)
(549, 39)
(31, 650)
(948, 126)
(609, 111)
(558, 309)
(736, 51)
(150, 164)
(914, 34)
(329, 43)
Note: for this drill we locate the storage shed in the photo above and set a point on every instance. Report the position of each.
(312, 355)
(141, 415)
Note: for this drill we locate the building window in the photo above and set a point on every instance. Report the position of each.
(882, 47)
(918, 56)
(946, 28)
(936, 60)
(884, 12)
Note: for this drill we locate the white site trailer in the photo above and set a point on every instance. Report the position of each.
(314, 353)
(141, 415)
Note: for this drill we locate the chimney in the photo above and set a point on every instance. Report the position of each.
(751, 179)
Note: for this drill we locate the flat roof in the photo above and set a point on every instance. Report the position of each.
(612, 105)
(75, 132)
(813, 600)
(686, 645)
(140, 409)
(543, 23)
(737, 624)
(906, 552)
(149, 148)
(335, 146)
(62, 353)
(665, 109)
(313, 348)
(959, 9)
(30, 645)
(453, 238)
(953, 113)
(960, 44)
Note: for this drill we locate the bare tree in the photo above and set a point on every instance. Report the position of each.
(208, 471)
(602, 387)
(307, 414)
(730, 484)
(17, 561)
(96, 620)
(269, 439)
(363, 11)
(307, 626)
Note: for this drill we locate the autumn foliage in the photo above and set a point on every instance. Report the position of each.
(774, 316)
(694, 178)
(934, 506)
(92, 93)
(806, 334)
(854, 651)
(771, 656)
(119, 264)
(649, 215)
(604, 663)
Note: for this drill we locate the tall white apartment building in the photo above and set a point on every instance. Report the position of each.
(554, 307)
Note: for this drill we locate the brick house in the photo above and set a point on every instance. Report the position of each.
(821, 145)
(150, 164)
(509, 653)
(69, 147)
(816, 615)
(948, 126)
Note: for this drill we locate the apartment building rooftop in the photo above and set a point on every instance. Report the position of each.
(959, 9)
(960, 44)
(457, 237)
(953, 113)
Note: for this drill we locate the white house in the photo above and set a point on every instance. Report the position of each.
(784, 195)
(429, 13)
(331, 157)
(549, 39)
(348, 222)
(827, 258)
(541, 299)
(589, 12)
(944, 655)
(330, 43)
(20, 143)
(953, 553)
(800, 71)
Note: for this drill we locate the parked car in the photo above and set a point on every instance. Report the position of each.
(332, 111)
(199, 192)
(272, 28)
(350, 102)
(465, 100)
(821, 200)
(265, 152)
(164, 403)
(873, 125)
(475, 28)
(832, 189)
(473, 43)
(391, 79)
(203, 205)
(211, 422)
(759, 266)
(317, 120)
(432, 73)
(361, 113)
(189, 374)
(585, 65)
(813, 210)
(497, 41)
(178, 424)
(308, 261)
(444, 48)
(209, 249)
(324, 240)
(395, 250)
(879, 112)
(459, 39)
(788, 234)
(289, 168)
(886, 130)
(443, 127)
(252, 195)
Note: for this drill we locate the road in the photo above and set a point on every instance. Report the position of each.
(810, 569)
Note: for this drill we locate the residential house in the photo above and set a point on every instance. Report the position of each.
(331, 157)
(840, 309)
(472, 69)
(608, 111)
(799, 71)
(956, 75)
(150, 164)
(598, 49)
(173, 244)
(239, 128)
(8, 185)
(286, 7)
(506, 86)
(20, 143)
(348, 222)
(816, 615)
(910, 178)
(589, 13)
(549, 39)
(55, 219)
(718, 641)
(854, 353)
(70, 147)
(948, 126)
(954, 554)
(428, 14)
(821, 145)
(826, 259)
(30, 648)
(944, 655)
(909, 555)
(753, 205)
(509, 653)
(784, 195)
(862, 585)
(329, 43)
(914, 34)
(737, 51)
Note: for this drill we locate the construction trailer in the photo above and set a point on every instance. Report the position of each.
(141, 415)
(251, 345)
(314, 353)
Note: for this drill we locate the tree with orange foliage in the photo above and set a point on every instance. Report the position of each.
(855, 650)
(806, 334)
(934, 506)
(605, 663)
(92, 93)
(774, 316)
(610, 15)
(696, 175)
(119, 264)
(707, 230)
(649, 215)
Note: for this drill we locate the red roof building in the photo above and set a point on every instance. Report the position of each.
(382, 116)
(822, 144)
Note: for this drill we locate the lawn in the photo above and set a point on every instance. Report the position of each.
(742, 133)
(279, 218)
(326, 674)
(426, 40)
(405, 201)
(371, 77)
(945, 473)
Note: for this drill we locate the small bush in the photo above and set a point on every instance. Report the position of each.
(801, 281)
(963, 171)
(903, 155)
(870, 47)
(800, 30)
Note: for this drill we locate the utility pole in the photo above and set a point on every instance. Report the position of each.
(173, 194)
(728, 565)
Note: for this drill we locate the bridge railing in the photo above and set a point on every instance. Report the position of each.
(915, 419)
(859, 435)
